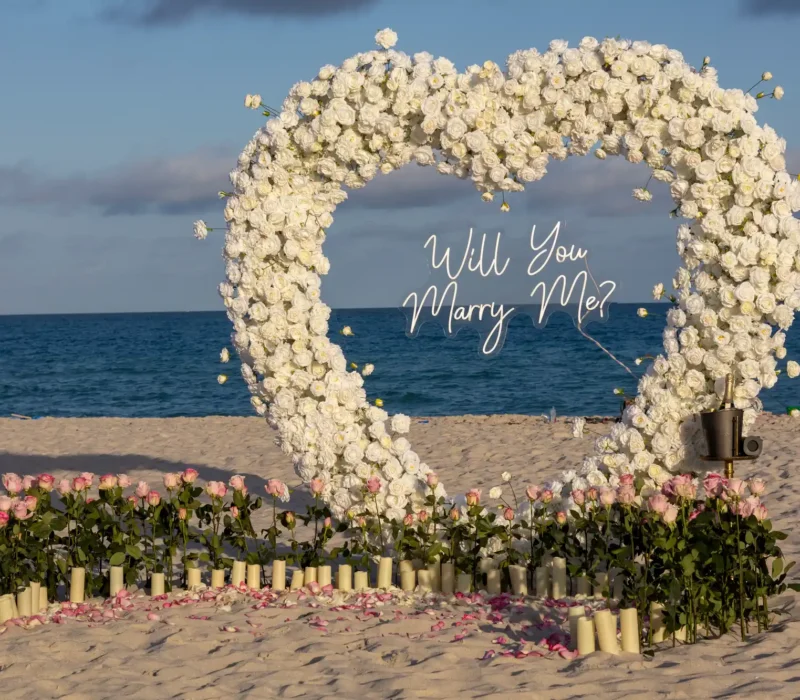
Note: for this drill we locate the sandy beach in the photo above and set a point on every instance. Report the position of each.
(235, 647)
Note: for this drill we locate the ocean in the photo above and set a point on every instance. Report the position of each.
(166, 364)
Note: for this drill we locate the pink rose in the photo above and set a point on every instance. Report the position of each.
(80, 484)
(46, 482)
(327, 523)
(142, 489)
(288, 519)
(546, 496)
(171, 481)
(432, 480)
(592, 494)
(317, 486)
(153, 498)
(216, 489)
(745, 508)
(373, 484)
(455, 515)
(31, 502)
(760, 512)
(275, 488)
(20, 511)
(658, 503)
(132, 499)
(736, 488)
(237, 483)
(107, 481)
(697, 511)
(579, 496)
(234, 511)
(679, 485)
(714, 484)
(626, 480)
(422, 516)
(508, 514)
(670, 514)
(4, 518)
(561, 517)
(123, 481)
(532, 492)
(626, 494)
(361, 521)
(408, 521)
(12, 483)
(607, 497)
(182, 514)
(757, 486)
(29, 482)
(88, 477)
(6, 504)
(473, 497)
(64, 487)
(189, 476)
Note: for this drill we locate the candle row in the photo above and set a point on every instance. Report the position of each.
(31, 600)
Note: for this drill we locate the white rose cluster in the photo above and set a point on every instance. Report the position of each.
(382, 110)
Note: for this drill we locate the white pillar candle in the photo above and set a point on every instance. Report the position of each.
(43, 599)
(77, 581)
(116, 580)
(6, 610)
(601, 582)
(494, 582)
(485, 565)
(405, 565)
(519, 579)
(559, 576)
(361, 580)
(324, 575)
(448, 573)
(157, 583)
(436, 575)
(310, 575)
(344, 578)
(585, 636)
(680, 634)
(575, 614)
(424, 580)
(217, 578)
(464, 583)
(384, 573)
(657, 626)
(582, 589)
(408, 579)
(254, 576)
(629, 626)
(297, 580)
(619, 584)
(24, 603)
(606, 625)
(238, 573)
(279, 575)
(36, 589)
(193, 577)
(542, 581)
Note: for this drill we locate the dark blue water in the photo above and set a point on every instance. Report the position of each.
(161, 365)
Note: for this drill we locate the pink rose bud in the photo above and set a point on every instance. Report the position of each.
(607, 497)
(508, 514)
(237, 483)
(422, 516)
(29, 482)
(234, 511)
(88, 477)
(182, 514)
(288, 518)
(579, 497)
(561, 517)
(626, 494)
(4, 518)
(142, 489)
(546, 496)
(123, 481)
(107, 481)
(670, 514)
(216, 489)
(626, 480)
(697, 511)
(79, 484)
(532, 492)
(327, 523)
(757, 486)
(64, 487)
(473, 497)
(317, 486)
(373, 484)
(658, 503)
(132, 499)
(592, 494)
(189, 476)
(20, 511)
(760, 512)
(6, 504)
(12, 483)
(274, 487)
(455, 515)
(408, 521)
(47, 482)
(714, 484)
(433, 480)
(153, 498)
(171, 481)
(736, 488)
(361, 521)
(31, 502)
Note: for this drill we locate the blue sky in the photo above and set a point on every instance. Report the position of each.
(120, 121)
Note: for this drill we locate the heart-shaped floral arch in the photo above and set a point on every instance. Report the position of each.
(381, 110)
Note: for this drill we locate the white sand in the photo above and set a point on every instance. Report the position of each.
(283, 652)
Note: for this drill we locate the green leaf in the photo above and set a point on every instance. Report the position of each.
(133, 552)
(777, 568)
(117, 559)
